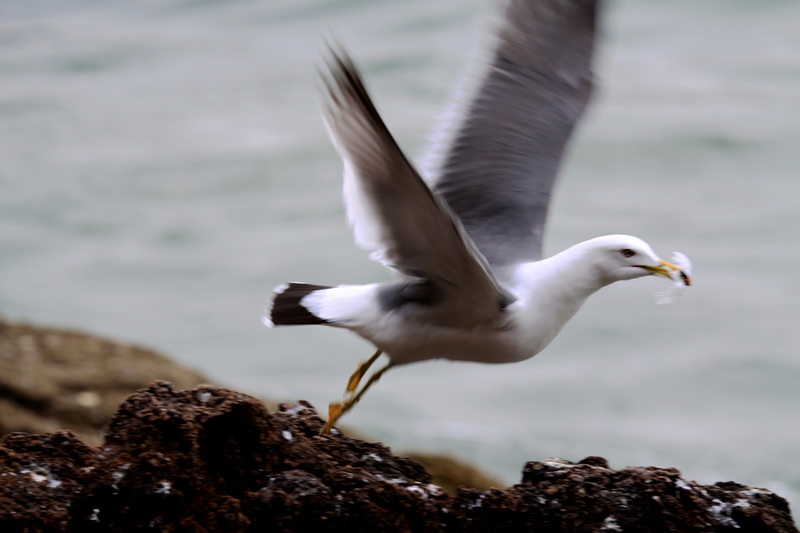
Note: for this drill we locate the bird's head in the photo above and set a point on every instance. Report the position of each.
(621, 257)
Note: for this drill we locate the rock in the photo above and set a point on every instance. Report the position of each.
(53, 379)
(211, 459)
(451, 474)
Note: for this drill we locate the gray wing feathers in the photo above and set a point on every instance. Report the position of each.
(392, 210)
(498, 171)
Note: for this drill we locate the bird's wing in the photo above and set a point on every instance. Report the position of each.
(392, 211)
(496, 158)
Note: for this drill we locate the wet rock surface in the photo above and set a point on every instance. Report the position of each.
(212, 459)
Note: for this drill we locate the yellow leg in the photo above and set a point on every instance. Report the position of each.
(337, 410)
(355, 379)
(374, 378)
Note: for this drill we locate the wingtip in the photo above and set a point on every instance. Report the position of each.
(279, 289)
(286, 308)
(266, 318)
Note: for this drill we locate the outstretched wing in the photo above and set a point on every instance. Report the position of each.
(497, 159)
(393, 212)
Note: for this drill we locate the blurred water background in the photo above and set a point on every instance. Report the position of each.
(163, 166)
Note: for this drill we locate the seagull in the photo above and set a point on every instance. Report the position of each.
(466, 246)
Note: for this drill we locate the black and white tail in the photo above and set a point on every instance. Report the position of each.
(287, 309)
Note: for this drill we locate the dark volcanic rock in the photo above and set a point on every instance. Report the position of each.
(211, 459)
(557, 495)
(40, 475)
(52, 379)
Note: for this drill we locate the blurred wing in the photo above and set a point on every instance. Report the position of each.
(497, 159)
(392, 211)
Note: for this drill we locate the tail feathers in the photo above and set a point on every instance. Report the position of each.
(287, 309)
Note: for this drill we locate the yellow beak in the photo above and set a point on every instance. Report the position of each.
(665, 269)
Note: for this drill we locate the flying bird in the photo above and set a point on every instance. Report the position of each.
(466, 246)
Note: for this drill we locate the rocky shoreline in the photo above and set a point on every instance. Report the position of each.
(212, 459)
(182, 457)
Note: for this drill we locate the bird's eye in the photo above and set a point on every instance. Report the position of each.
(627, 252)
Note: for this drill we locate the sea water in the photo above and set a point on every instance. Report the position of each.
(163, 166)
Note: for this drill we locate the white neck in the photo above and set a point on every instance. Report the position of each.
(550, 292)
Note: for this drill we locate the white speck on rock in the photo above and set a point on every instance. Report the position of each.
(558, 463)
(95, 516)
(268, 487)
(681, 484)
(741, 503)
(294, 410)
(414, 489)
(755, 492)
(204, 396)
(392, 480)
(372, 457)
(426, 490)
(164, 487)
(476, 503)
(721, 512)
(287, 435)
(38, 478)
(610, 524)
(434, 490)
(119, 474)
